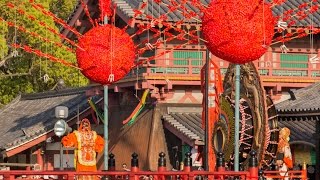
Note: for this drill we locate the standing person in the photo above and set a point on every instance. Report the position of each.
(86, 143)
(284, 157)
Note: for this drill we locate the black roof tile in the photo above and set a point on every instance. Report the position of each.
(301, 130)
(127, 7)
(306, 100)
(186, 120)
(29, 116)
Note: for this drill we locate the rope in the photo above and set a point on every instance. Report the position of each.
(15, 29)
(263, 24)
(137, 80)
(311, 29)
(40, 65)
(244, 125)
(86, 10)
(200, 59)
(2, 47)
(46, 59)
(281, 20)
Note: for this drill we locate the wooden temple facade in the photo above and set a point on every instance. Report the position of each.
(280, 70)
(301, 114)
(174, 81)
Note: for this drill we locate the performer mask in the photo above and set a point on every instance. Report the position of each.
(85, 125)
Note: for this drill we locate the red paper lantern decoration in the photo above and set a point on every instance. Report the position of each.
(238, 31)
(105, 50)
(105, 8)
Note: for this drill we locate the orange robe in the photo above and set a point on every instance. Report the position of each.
(284, 148)
(86, 146)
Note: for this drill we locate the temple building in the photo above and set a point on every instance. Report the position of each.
(300, 113)
(170, 120)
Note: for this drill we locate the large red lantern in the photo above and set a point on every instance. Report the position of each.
(106, 55)
(238, 31)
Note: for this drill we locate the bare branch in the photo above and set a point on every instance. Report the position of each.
(15, 75)
(18, 74)
(5, 59)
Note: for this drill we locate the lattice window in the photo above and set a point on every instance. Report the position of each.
(294, 61)
(183, 57)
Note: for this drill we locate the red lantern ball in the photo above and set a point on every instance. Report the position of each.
(238, 31)
(105, 7)
(105, 51)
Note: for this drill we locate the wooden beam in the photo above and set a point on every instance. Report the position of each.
(82, 23)
(17, 164)
(74, 18)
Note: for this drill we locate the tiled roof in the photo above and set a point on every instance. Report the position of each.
(30, 116)
(127, 7)
(294, 4)
(186, 120)
(304, 100)
(301, 130)
(300, 113)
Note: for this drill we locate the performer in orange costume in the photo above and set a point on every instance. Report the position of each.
(284, 160)
(86, 143)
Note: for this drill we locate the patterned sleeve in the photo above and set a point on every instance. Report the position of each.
(70, 140)
(99, 144)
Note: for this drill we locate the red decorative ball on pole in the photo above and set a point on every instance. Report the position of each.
(105, 8)
(106, 55)
(238, 31)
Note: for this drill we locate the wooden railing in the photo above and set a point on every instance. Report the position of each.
(161, 174)
(268, 68)
(117, 175)
(289, 174)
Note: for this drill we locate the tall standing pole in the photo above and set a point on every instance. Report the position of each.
(317, 137)
(206, 112)
(105, 118)
(105, 128)
(61, 156)
(237, 105)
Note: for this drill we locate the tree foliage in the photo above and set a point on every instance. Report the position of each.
(22, 72)
(63, 7)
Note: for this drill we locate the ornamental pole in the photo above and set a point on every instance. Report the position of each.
(105, 118)
(236, 126)
(206, 112)
(105, 129)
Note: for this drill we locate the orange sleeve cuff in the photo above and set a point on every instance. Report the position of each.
(288, 162)
(70, 140)
(99, 144)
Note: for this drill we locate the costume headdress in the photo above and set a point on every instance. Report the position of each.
(82, 124)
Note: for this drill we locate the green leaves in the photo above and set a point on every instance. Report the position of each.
(26, 72)
(63, 8)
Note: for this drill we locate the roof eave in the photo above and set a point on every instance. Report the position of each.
(10, 151)
(180, 135)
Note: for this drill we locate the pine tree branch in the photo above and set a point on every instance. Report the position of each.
(5, 59)
(15, 75)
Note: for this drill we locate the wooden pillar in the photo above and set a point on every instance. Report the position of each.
(187, 165)
(253, 166)
(317, 137)
(28, 158)
(40, 158)
(162, 165)
(134, 166)
(304, 172)
(220, 164)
